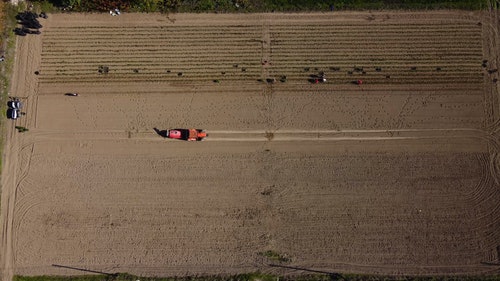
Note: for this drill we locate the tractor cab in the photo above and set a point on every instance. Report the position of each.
(186, 134)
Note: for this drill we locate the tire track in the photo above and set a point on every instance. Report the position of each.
(488, 211)
(24, 205)
(25, 154)
(274, 135)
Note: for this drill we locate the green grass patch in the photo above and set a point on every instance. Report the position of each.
(62, 278)
(253, 6)
(129, 277)
(21, 129)
(337, 5)
(274, 256)
(259, 277)
(8, 47)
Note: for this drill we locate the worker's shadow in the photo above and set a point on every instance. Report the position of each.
(162, 133)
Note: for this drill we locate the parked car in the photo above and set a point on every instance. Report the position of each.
(14, 104)
(12, 113)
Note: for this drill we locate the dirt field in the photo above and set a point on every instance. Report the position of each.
(399, 175)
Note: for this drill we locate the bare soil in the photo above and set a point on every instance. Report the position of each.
(398, 175)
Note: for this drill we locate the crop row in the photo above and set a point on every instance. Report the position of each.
(248, 67)
(296, 26)
(332, 44)
(310, 47)
(242, 39)
(179, 72)
(374, 33)
(246, 34)
(341, 30)
(277, 51)
(420, 39)
(252, 59)
(459, 53)
(126, 75)
(255, 38)
(175, 71)
(349, 41)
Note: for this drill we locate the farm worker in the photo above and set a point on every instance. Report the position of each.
(359, 82)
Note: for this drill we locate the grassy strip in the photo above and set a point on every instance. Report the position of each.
(306, 5)
(256, 277)
(274, 256)
(8, 22)
(301, 5)
(253, 6)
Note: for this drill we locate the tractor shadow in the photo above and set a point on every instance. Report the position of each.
(162, 133)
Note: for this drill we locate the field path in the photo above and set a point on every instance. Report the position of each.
(25, 87)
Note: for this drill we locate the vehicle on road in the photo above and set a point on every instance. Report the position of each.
(14, 104)
(12, 113)
(22, 31)
(186, 134)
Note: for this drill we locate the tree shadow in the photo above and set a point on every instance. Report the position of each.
(84, 270)
(332, 275)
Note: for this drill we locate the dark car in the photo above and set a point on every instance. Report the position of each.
(26, 16)
(29, 20)
(20, 31)
(29, 31)
(32, 24)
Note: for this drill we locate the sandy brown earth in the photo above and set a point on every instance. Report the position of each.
(399, 175)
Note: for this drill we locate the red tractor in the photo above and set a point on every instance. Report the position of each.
(186, 134)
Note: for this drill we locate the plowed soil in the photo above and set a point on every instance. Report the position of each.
(398, 175)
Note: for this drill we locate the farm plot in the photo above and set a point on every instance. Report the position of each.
(398, 175)
(387, 53)
(150, 54)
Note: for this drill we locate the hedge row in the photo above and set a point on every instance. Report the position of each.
(251, 6)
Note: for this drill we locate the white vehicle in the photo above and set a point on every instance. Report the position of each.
(14, 104)
(114, 12)
(12, 113)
